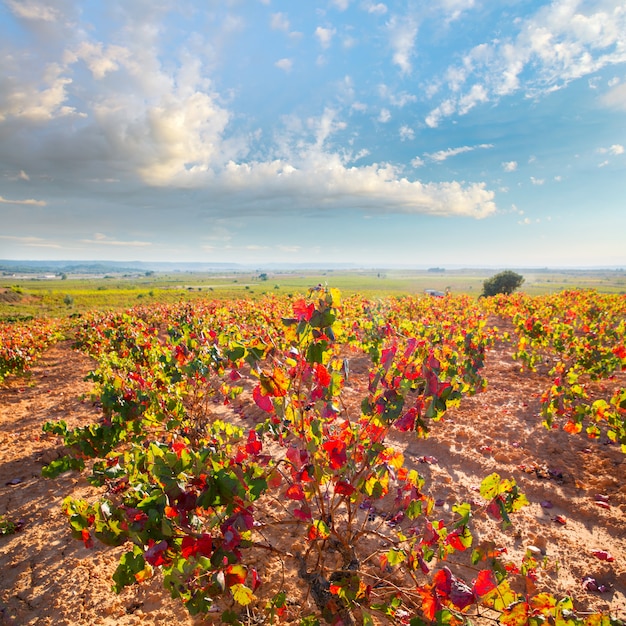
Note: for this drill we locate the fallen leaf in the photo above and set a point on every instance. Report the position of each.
(603, 555)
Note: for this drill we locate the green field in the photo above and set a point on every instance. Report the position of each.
(24, 295)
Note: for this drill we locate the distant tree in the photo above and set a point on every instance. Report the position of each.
(263, 276)
(505, 282)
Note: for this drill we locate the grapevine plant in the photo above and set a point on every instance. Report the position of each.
(303, 479)
(579, 339)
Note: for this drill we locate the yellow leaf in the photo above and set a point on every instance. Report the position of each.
(243, 595)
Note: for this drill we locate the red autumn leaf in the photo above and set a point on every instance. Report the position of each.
(235, 575)
(262, 401)
(192, 546)
(256, 579)
(178, 447)
(171, 512)
(461, 594)
(302, 311)
(572, 428)
(343, 488)
(297, 457)
(204, 545)
(254, 445)
(322, 376)
(295, 492)
(155, 554)
(485, 583)
(430, 602)
(443, 581)
(303, 513)
(188, 547)
(336, 452)
(87, 538)
(603, 555)
(455, 541)
(407, 421)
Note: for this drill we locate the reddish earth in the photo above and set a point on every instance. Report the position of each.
(49, 578)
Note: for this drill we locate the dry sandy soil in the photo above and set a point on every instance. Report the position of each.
(49, 578)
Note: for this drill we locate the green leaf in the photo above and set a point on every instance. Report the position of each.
(395, 557)
(62, 465)
(465, 511)
(131, 563)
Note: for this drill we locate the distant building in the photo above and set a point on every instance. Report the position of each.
(434, 293)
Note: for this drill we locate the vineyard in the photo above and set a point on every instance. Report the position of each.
(316, 459)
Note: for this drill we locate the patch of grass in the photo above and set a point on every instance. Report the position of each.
(7, 527)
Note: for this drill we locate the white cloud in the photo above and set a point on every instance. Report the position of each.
(442, 155)
(29, 202)
(402, 34)
(38, 100)
(279, 21)
(400, 99)
(615, 98)
(562, 41)
(33, 10)
(509, 166)
(99, 60)
(454, 8)
(616, 149)
(102, 240)
(325, 182)
(384, 116)
(417, 162)
(406, 133)
(377, 9)
(537, 181)
(284, 64)
(23, 175)
(324, 36)
(32, 242)
(342, 5)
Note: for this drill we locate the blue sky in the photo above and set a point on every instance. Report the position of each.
(418, 133)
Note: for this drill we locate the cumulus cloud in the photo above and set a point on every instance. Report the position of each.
(284, 64)
(324, 36)
(406, 133)
(562, 41)
(509, 166)
(326, 182)
(40, 99)
(99, 59)
(162, 131)
(33, 10)
(615, 149)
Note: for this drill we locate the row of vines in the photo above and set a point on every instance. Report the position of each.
(236, 449)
